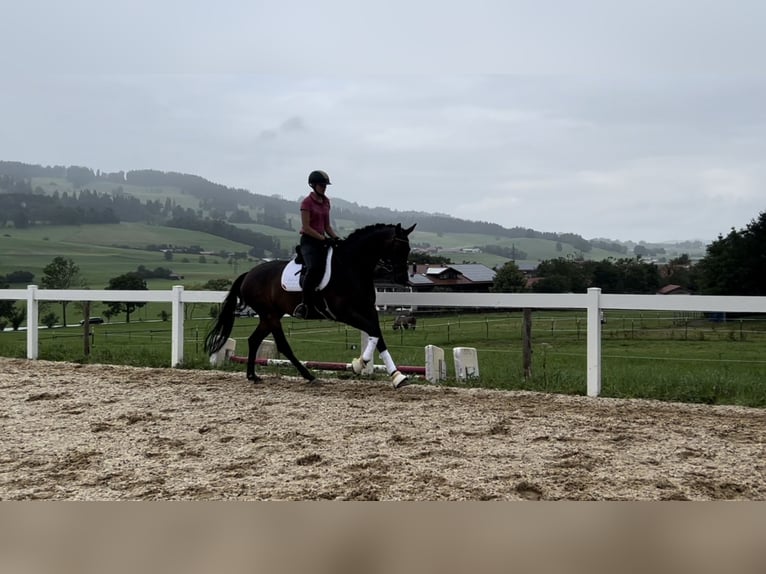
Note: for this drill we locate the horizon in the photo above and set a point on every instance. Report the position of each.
(99, 172)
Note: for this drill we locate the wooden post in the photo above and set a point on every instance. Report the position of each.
(86, 329)
(526, 343)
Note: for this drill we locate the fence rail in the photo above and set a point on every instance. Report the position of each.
(594, 302)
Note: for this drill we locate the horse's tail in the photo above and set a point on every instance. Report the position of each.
(220, 332)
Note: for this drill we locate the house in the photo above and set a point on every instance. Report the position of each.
(471, 277)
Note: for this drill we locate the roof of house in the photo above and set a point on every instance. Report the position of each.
(466, 274)
(419, 279)
(671, 288)
(475, 272)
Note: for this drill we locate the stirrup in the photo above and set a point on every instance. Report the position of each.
(301, 311)
(325, 311)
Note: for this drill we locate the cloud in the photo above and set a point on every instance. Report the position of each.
(629, 120)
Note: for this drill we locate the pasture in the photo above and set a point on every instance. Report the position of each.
(106, 432)
(105, 251)
(655, 355)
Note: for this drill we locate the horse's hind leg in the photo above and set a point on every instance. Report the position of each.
(253, 342)
(284, 347)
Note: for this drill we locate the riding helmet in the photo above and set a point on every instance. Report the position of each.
(319, 176)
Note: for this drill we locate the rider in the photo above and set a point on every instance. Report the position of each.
(317, 235)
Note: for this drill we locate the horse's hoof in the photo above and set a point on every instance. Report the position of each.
(358, 365)
(254, 378)
(399, 380)
(314, 382)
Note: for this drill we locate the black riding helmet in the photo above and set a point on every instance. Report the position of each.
(319, 176)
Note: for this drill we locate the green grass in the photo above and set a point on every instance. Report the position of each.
(643, 355)
(106, 251)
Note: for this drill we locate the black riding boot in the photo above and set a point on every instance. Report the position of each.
(305, 307)
(313, 252)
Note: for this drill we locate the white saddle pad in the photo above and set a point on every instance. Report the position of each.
(292, 273)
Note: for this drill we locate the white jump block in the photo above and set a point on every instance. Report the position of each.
(466, 363)
(267, 350)
(223, 353)
(436, 366)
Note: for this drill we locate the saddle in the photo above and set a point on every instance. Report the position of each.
(293, 272)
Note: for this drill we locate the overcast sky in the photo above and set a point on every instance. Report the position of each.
(629, 120)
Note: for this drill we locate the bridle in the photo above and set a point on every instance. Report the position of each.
(391, 267)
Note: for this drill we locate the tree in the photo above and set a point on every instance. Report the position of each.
(553, 284)
(25, 277)
(79, 176)
(424, 258)
(127, 282)
(217, 285)
(6, 306)
(17, 317)
(736, 264)
(49, 319)
(509, 279)
(572, 276)
(61, 273)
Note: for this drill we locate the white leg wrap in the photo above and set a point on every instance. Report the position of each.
(369, 349)
(385, 356)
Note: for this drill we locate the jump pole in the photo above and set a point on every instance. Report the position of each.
(327, 366)
(435, 369)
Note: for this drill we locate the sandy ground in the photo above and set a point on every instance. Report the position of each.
(103, 432)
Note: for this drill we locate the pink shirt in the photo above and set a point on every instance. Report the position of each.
(319, 213)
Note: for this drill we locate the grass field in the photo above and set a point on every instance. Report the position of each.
(644, 355)
(105, 251)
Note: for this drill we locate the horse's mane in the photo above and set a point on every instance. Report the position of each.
(364, 231)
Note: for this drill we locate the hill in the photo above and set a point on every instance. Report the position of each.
(119, 213)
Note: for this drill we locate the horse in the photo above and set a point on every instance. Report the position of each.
(349, 298)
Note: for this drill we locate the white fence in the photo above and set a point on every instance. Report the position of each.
(594, 302)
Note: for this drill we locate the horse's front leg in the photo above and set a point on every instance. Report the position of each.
(375, 341)
(398, 378)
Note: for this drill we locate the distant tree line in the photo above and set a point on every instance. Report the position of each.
(612, 276)
(513, 253)
(609, 246)
(25, 207)
(225, 203)
(262, 245)
(734, 264)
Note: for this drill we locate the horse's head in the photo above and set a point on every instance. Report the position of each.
(395, 252)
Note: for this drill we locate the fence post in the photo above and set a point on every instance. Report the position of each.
(594, 341)
(177, 326)
(32, 320)
(526, 344)
(86, 329)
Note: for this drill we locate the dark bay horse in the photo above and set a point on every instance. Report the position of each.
(350, 297)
